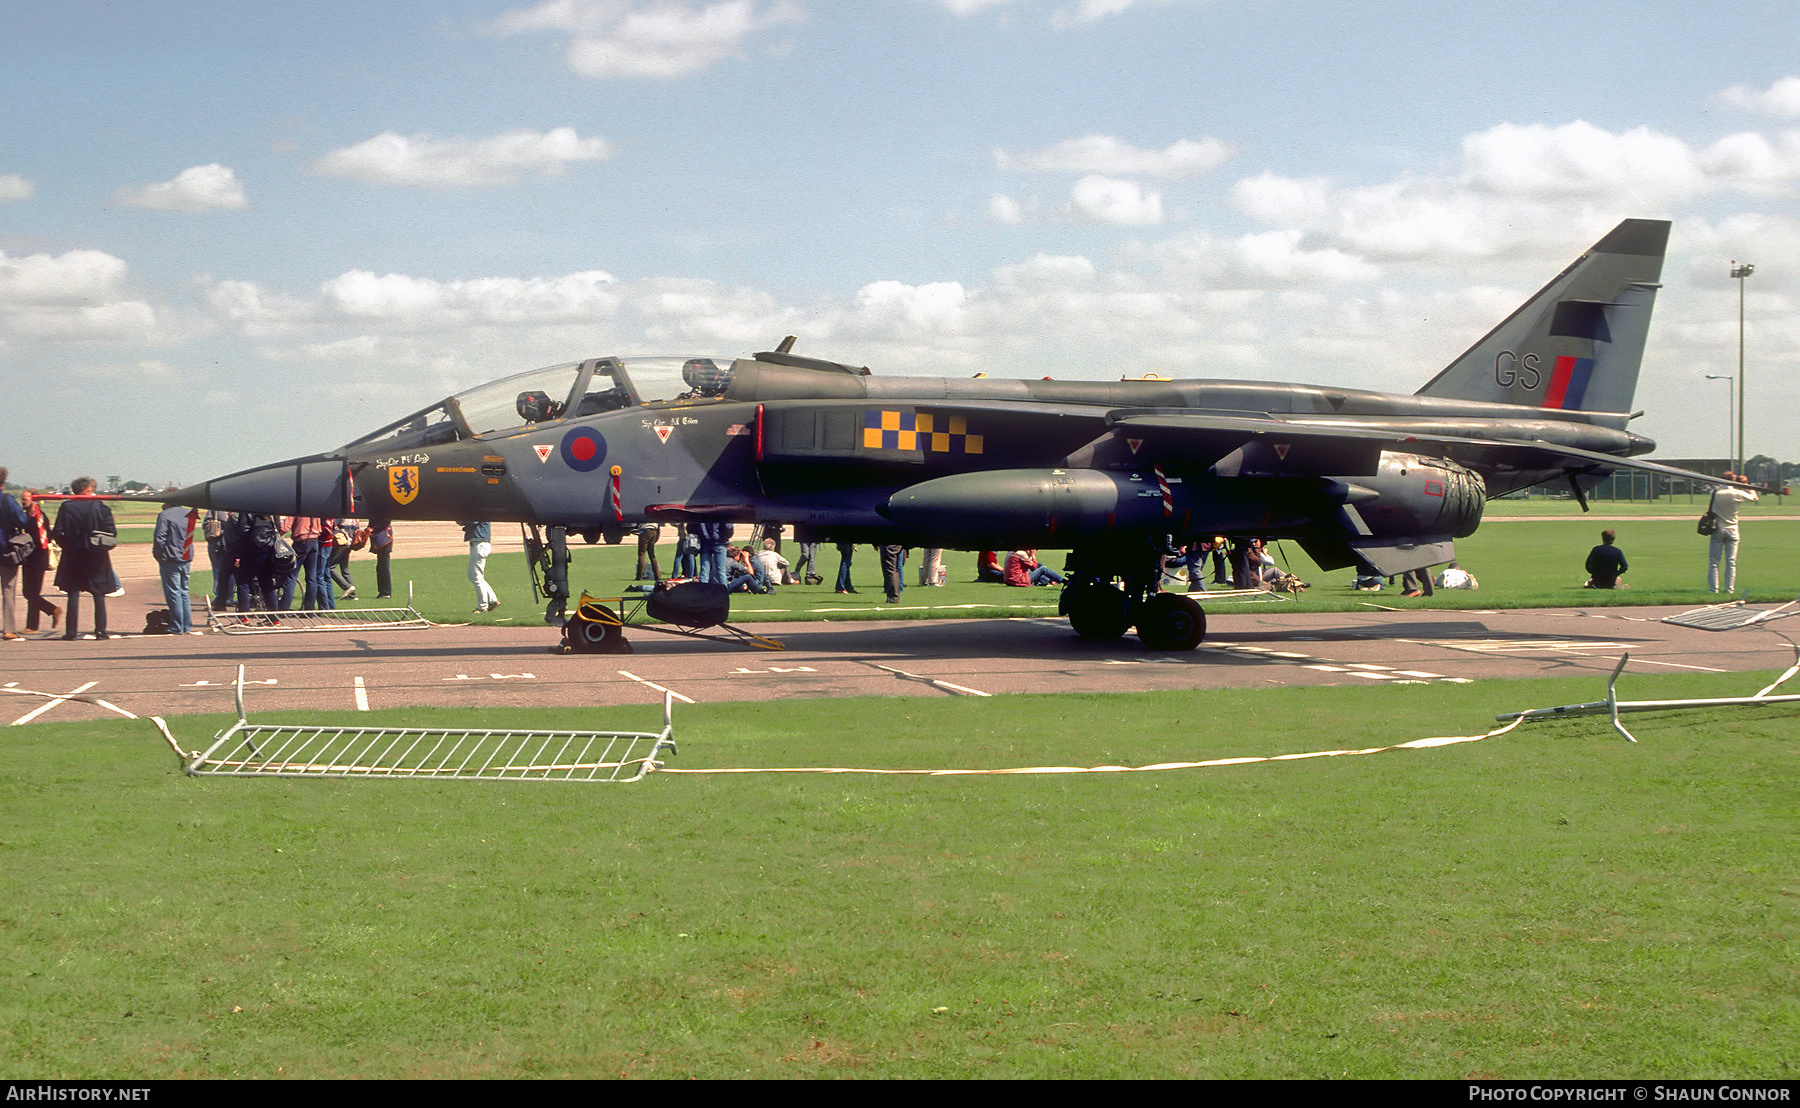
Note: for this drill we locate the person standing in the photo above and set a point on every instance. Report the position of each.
(257, 576)
(36, 567)
(1723, 549)
(305, 532)
(13, 556)
(687, 553)
(381, 544)
(478, 535)
(845, 550)
(806, 570)
(216, 527)
(648, 535)
(346, 537)
(931, 567)
(893, 570)
(86, 533)
(173, 547)
(715, 539)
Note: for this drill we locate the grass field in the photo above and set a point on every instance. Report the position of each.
(1526, 564)
(1551, 902)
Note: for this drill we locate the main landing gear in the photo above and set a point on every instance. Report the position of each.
(1102, 610)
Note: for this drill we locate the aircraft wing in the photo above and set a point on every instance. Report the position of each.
(1326, 447)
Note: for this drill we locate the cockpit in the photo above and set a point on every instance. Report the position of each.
(570, 391)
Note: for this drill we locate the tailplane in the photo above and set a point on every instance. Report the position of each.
(1577, 344)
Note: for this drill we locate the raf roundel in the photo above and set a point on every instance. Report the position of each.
(583, 450)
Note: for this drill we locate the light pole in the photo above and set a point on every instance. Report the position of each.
(1740, 273)
(1729, 418)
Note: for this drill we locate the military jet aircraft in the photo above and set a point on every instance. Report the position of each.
(1107, 470)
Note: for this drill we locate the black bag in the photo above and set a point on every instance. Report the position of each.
(690, 604)
(18, 550)
(1708, 524)
(100, 540)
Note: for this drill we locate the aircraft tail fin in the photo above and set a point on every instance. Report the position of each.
(1577, 344)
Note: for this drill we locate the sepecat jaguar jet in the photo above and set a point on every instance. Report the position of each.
(1110, 471)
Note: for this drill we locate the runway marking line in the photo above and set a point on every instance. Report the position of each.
(52, 700)
(654, 685)
(1369, 671)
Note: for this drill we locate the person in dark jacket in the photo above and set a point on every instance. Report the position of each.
(1605, 563)
(86, 532)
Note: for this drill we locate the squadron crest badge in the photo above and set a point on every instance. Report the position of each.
(403, 483)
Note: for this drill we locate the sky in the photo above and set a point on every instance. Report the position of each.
(233, 232)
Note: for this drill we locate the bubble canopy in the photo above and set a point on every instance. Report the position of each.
(573, 390)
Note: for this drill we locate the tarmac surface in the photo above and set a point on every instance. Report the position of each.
(1247, 646)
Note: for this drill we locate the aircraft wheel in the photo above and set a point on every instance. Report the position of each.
(1097, 611)
(589, 636)
(1167, 621)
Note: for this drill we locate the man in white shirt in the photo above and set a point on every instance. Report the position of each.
(773, 564)
(1725, 501)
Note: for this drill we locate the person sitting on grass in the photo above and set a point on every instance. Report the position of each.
(1022, 569)
(1606, 564)
(744, 573)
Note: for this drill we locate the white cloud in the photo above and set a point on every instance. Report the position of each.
(1106, 154)
(15, 187)
(1004, 209)
(1115, 201)
(123, 320)
(426, 162)
(77, 277)
(1781, 99)
(966, 8)
(397, 300)
(1042, 270)
(659, 39)
(1520, 189)
(1071, 13)
(202, 188)
(894, 307)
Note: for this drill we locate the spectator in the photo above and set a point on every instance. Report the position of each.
(845, 551)
(893, 570)
(648, 535)
(381, 544)
(479, 537)
(715, 539)
(1724, 546)
(773, 567)
(13, 523)
(87, 534)
(1456, 577)
(36, 567)
(1605, 564)
(1022, 569)
(172, 545)
(931, 567)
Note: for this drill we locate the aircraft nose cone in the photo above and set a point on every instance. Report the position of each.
(318, 486)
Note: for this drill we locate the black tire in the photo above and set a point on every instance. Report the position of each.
(1167, 621)
(1097, 612)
